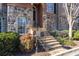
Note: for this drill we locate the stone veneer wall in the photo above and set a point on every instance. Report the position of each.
(49, 19)
(51, 23)
(13, 13)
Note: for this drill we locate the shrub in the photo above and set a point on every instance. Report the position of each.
(69, 43)
(65, 41)
(8, 43)
(65, 33)
(54, 33)
(27, 43)
(61, 40)
(76, 35)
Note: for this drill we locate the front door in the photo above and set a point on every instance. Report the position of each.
(37, 15)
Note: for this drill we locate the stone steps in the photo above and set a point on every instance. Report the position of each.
(54, 43)
(54, 47)
(51, 43)
(49, 40)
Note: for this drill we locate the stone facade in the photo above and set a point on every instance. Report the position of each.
(50, 17)
(10, 14)
(14, 13)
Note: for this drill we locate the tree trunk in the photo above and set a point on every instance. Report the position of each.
(70, 31)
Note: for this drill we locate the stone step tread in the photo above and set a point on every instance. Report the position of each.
(53, 43)
(55, 46)
(49, 37)
(51, 49)
(48, 40)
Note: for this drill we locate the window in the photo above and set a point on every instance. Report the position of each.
(50, 7)
(22, 23)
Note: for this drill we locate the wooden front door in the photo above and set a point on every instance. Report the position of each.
(37, 15)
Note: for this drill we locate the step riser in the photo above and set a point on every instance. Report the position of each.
(48, 40)
(51, 44)
(55, 48)
(51, 41)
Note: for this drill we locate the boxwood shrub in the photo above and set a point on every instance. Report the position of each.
(9, 43)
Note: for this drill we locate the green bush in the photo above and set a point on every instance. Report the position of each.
(9, 43)
(69, 43)
(65, 41)
(76, 35)
(54, 33)
(61, 40)
(65, 33)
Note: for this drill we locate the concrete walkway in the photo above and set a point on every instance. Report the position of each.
(61, 52)
(54, 52)
(41, 54)
(49, 53)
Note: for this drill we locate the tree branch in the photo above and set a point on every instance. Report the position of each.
(73, 22)
(77, 9)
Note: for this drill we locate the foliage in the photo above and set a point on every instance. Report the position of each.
(69, 43)
(54, 33)
(76, 35)
(65, 41)
(27, 43)
(64, 33)
(8, 43)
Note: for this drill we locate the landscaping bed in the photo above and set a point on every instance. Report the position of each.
(11, 45)
(62, 37)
